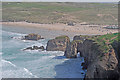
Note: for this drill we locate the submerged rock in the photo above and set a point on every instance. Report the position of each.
(34, 48)
(58, 44)
(32, 36)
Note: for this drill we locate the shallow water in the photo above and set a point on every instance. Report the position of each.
(35, 64)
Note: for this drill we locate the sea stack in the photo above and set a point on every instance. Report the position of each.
(58, 44)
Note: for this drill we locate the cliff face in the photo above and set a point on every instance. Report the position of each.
(100, 62)
(103, 67)
(116, 46)
(58, 44)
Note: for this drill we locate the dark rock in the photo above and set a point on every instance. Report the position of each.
(58, 44)
(71, 24)
(84, 67)
(29, 48)
(32, 37)
(41, 47)
(83, 64)
(34, 48)
(107, 68)
(82, 73)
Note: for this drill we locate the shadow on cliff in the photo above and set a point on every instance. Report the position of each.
(70, 68)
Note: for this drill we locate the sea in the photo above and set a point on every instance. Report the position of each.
(17, 63)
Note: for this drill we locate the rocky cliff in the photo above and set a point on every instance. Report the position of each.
(58, 44)
(100, 53)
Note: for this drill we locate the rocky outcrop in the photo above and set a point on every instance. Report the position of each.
(34, 48)
(32, 36)
(58, 44)
(76, 46)
(73, 48)
(99, 62)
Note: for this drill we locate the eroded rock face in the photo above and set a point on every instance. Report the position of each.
(98, 63)
(58, 44)
(116, 46)
(73, 48)
(34, 48)
(103, 67)
(32, 37)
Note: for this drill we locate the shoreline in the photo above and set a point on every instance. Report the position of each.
(53, 30)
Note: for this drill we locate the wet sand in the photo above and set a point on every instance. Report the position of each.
(53, 30)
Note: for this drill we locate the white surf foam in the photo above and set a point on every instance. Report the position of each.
(27, 71)
(4, 61)
(13, 33)
(1, 53)
(15, 72)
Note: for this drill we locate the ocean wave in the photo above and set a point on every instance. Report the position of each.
(5, 61)
(13, 33)
(52, 53)
(27, 71)
(32, 51)
(18, 38)
(16, 72)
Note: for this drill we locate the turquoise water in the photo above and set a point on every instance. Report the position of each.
(17, 63)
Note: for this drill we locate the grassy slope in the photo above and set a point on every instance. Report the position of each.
(105, 41)
(60, 12)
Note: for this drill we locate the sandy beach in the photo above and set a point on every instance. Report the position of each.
(59, 29)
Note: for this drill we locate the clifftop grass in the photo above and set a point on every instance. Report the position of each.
(105, 41)
(76, 41)
(62, 37)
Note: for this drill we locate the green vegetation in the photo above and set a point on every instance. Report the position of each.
(62, 37)
(85, 36)
(105, 41)
(76, 41)
(49, 13)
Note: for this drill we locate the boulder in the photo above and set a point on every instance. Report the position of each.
(34, 48)
(58, 44)
(32, 36)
